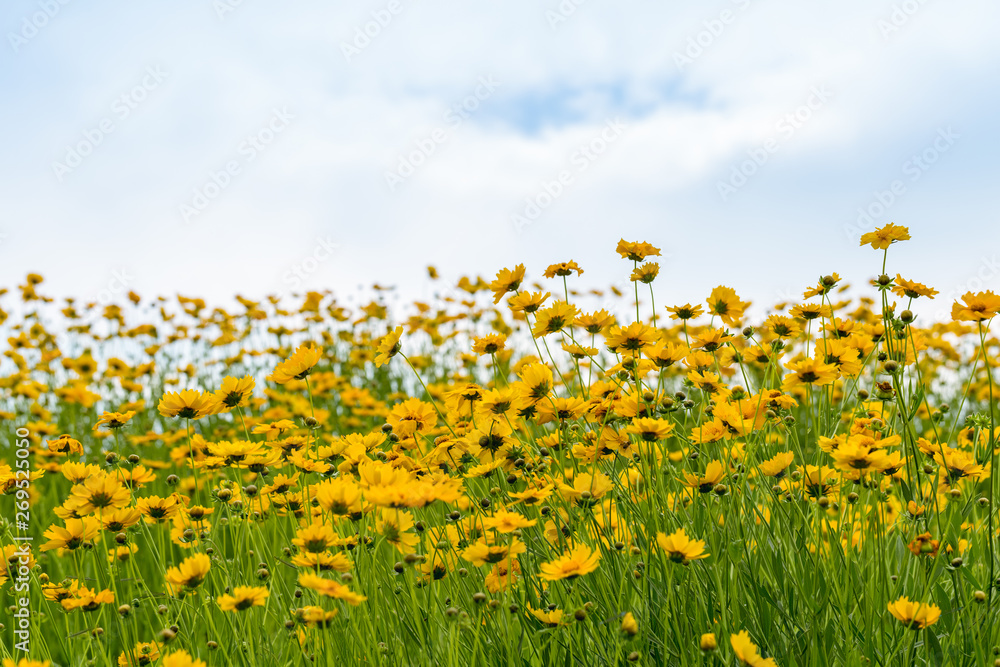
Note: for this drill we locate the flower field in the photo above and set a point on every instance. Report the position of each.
(519, 472)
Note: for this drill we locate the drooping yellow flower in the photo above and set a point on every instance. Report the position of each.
(114, 420)
(388, 347)
(330, 588)
(297, 366)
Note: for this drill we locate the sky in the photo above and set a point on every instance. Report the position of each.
(215, 147)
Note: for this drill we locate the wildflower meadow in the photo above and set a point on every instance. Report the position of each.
(521, 471)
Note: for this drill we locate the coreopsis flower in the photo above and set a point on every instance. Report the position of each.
(527, 302)
(549, 618)
(680, 548)
(234, 392)
(388, 347)
(885, 236)
(650, 430)
(594, 323)
(777, 465)
(114, 420)
(243, 597)
(507, 280)
(854, 456)
(747, 652)
(914, 615)
(181, 659)
(330, 588)
(554, 318)
(810, 311)
(587, 489)
(144, 653)
(64, 444)
(976, 307)
(645, 273)
(911, 290)
(924, 545)
(580, 560)
(297, 366)
(158, 510)
(809, 372)
(315, 617)
(187, 404)
(505, 521)
(26, 662)
(629, 625)
(315, 537)
(705, 482)
(99, 492)
(634, 337)
(707, 642)
(685, 312)
(73, 536)
(190, 573)
(482, 553)
(563, 269)
(489, 344)
(636, 251)
(724, 303)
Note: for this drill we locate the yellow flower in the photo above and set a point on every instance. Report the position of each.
(144, 653)
(297, 366)
(233, 392)
(504, 521)
(914, 615)
(244, 597)
(114, 420)
(746, 651)
(629, 625)
(388, 347)
(188, 404)
(636, 252)
(885, 236)
(680, 548)
(181, 659)
(707, 642)
(330, 589)
(190, 573)
(507, 280)
(73, 536)
(580, 560)
(976, 307)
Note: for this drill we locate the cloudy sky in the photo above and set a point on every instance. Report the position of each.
(212, 147)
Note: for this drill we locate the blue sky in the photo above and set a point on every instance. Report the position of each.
(298, 138)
